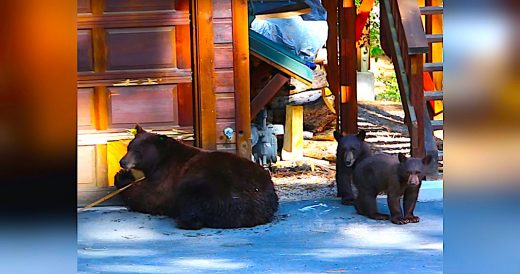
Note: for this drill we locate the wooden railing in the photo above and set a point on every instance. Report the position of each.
(403, 38)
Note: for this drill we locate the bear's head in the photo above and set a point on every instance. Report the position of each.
(144, 151)
(350, 146)
(413, 170)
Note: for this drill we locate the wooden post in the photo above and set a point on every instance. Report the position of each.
(293, 137)
(241, 77)
(417, 98)
(332, 53)
(348, 66)
(203, 67)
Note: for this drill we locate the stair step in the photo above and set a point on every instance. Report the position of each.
(433, 95)
(429, 67)
(434, 38)
(437, 124)
(441, 155)
(431, 10)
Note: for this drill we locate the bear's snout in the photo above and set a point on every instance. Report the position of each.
(349, 159)
(124, 164)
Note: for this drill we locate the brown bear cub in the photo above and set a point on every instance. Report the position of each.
(352, 149)
(196, 187)
(397, 176)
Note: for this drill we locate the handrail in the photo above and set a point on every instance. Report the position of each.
(412, 26)
(406, 43)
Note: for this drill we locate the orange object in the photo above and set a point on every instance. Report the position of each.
(429, 85)
(363, 13)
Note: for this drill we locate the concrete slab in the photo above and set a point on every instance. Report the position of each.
(319, 236)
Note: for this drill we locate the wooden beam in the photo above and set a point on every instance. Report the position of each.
(348, 66)
(203, 68)
(332, 66)
(293, 136)
(267, 93)
(241, 77)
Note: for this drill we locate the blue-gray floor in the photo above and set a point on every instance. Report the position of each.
(307, 237)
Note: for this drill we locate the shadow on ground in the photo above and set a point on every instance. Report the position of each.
(319, 236)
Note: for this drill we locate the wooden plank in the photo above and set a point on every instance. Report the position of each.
(437, 124)
(417, 98)
(203, 69)
(240, 27)
(431, 10)
(185, 103)
(132, 19)
(434, 38)
(433, 95)
(267, 93)
(348, 67)
(437, 66)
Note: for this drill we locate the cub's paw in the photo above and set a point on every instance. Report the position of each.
(347, 201)
(379, 216)
(412, 219)
(399, 220)
(123, 178)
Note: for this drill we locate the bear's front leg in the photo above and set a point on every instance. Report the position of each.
(396, 216)
(409, 201)
(344, 185)
(123, 178)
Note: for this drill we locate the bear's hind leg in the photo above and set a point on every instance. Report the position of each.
(190, 216)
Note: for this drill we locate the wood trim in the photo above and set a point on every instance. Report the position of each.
(412, 25)
(203, 70)
(101, 105)
(417, 98)
(119, 20)
(240, 27)
(99, 50)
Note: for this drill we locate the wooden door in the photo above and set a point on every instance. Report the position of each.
(134, 66)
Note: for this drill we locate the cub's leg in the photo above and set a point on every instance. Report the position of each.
(366, 205)
(395, 209)
(409, 201)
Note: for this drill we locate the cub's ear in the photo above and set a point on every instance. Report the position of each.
(427, 160)
(139, 129)
(402, 157)
(337, 136)
(361, 135)
(162, 137)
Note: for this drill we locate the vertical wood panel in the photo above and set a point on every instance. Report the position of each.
(223, 56)
(225, 105)
(204, 55)
(86, 110)
(185, 99)
(138, 5)
(348, 66)
(101, 106)
(85, 56)
(241, 77)
(221, 8)
(101, 166)
(86, 163)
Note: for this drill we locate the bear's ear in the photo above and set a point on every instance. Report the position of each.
(139, 129)
(162, 137)
(361, 135)
(427, 160)
(402, 157)
(337, 136)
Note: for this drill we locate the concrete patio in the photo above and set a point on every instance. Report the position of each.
(317, 236)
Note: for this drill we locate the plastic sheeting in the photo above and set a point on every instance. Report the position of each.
(304, 36)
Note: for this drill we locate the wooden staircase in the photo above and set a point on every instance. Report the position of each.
(407, 37)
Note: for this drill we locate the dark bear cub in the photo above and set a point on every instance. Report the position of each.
(352, 149)
(199, 188)
(397, 176)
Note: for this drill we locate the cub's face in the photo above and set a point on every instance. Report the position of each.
(350, 147)
(413, 169)
(142, 152)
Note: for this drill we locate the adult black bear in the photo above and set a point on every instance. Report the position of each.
(397, 176)
(352, 149)
(199, 188)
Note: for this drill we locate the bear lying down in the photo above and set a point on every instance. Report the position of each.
(198, 188)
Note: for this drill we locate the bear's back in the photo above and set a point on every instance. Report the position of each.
(376, 172)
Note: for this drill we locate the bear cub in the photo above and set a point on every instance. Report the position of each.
(196, 187)
(397, 176)
(351, 150)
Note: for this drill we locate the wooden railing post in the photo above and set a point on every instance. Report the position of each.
(417, 98)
